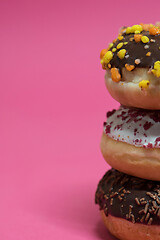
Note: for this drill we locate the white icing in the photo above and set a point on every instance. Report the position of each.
(122, 125)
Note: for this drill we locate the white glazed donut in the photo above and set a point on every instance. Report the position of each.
(131, 142)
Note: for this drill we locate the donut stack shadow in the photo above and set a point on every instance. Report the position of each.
(128, 195)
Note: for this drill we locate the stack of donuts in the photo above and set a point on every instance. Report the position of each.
(128, 195)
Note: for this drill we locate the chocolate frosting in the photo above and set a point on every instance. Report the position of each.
(137, 50)
(131, 198)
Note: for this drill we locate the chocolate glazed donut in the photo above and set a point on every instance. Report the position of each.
(134, 199)
(132, 64)
(130, 206)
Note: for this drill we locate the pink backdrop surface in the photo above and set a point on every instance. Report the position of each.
(53, 103)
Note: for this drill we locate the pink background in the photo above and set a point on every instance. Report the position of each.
(53, 103)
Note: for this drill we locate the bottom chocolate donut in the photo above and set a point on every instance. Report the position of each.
(126, 230)
(130, 206)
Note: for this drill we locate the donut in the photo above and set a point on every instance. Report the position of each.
(130, 206)
(130, 141)
(132, 64)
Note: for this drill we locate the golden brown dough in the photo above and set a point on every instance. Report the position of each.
(136, 161)
(125, 230)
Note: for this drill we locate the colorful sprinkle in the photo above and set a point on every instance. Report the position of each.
(116, 76)
(119, 45)
(134, 29)
(114, 49)
(154, 31)
(148, 54)
(110, 45)
(129, 67)
(120, 37)
(144, 84)
(103, 52)
(156, 70)
(144, 39)
(108, 56)
(137, 37)
(101, 61)
(146, 46)
(121, 53)
(137, 61)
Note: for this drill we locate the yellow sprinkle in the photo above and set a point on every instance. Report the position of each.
(144, 84)
(114, 49)
(109, 65)
(144, 39)
(156, 70)
(120, 37)
(134, 29)
(101, 61)
(110, 45)
(157, 65)
(108, 56)
(125, 43)
(159, 47)
(148, 54)
(119, 45)
(121, 53)
(128, 30)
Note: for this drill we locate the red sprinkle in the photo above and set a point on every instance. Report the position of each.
(147, 125)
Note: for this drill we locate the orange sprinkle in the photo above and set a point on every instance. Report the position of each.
(116, 76)
(146, 27)
(103, 52)
(114, 40)
(122, 30)
(137, 37)
(103, 66)
(109, 65)
(154, 31)
(129, 67)
(148, 54)
(131, 39)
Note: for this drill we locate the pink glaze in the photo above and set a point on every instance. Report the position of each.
(137, 127)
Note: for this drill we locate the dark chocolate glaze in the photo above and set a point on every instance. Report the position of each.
(137, 50)
(131, 198)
